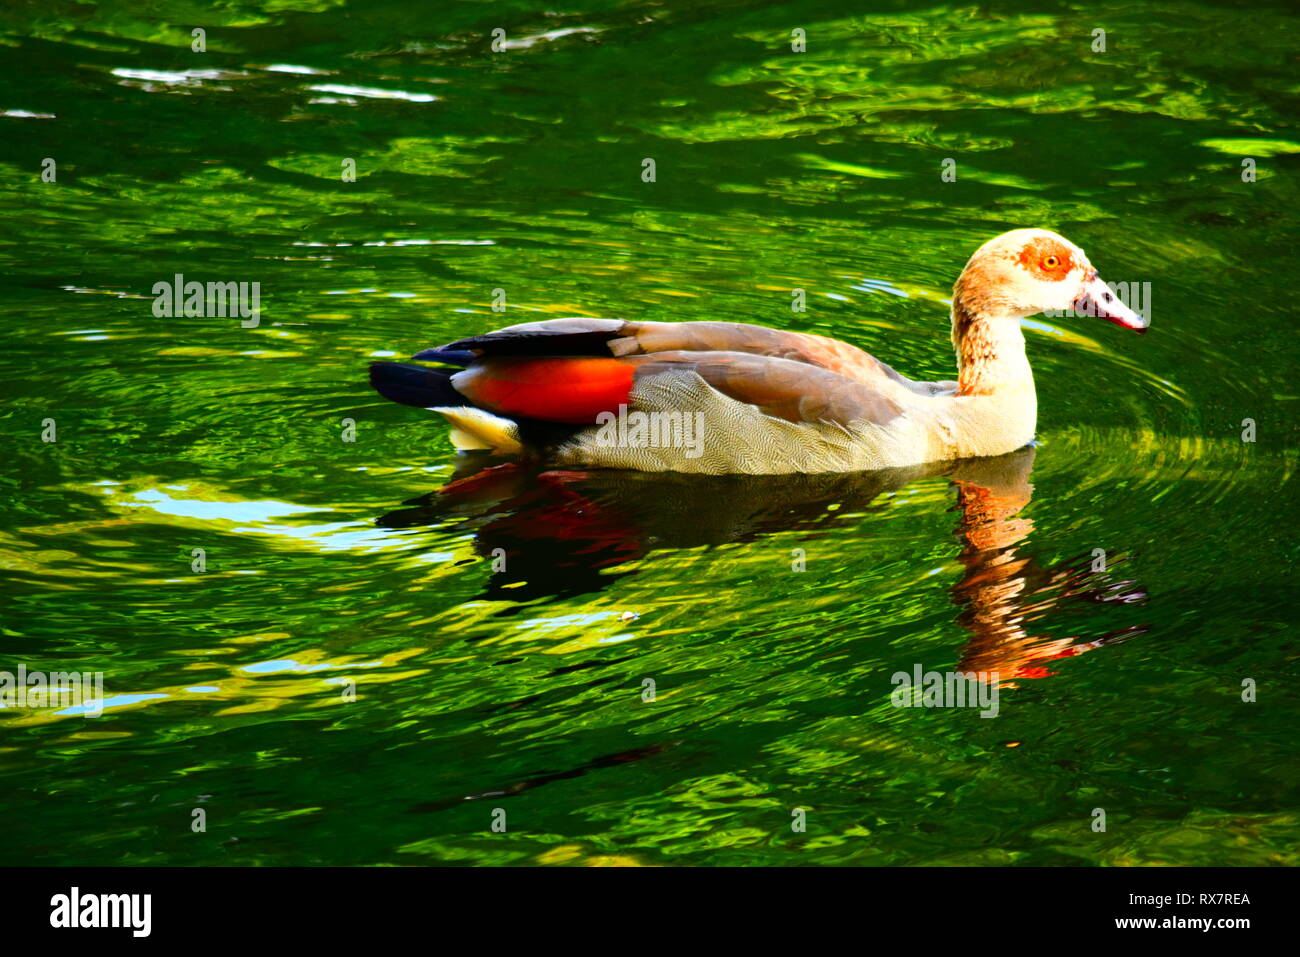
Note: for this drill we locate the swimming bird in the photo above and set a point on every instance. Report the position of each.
(729, 397)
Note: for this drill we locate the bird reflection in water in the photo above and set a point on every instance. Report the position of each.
(566, 533)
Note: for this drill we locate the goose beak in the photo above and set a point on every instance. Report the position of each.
(1096, 299)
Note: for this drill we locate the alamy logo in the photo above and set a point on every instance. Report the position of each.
(653, 430)
(53, 689)
(103, 910)
(1135, 295)
(215, 300)
(946, 689)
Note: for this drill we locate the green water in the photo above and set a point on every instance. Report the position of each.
(523, 688)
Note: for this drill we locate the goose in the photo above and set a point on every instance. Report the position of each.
(735, 398)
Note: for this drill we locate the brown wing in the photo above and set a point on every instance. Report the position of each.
(580, 336)
(783, 388)
(831, 354)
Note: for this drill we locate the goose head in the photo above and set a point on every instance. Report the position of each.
(1028, 271)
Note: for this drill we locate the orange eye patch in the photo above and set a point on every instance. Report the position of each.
(1046, 259)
